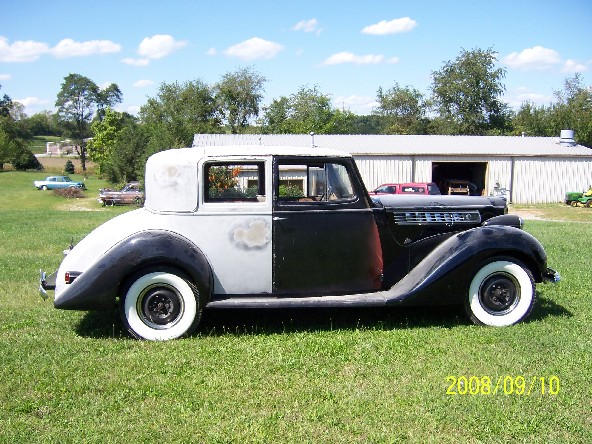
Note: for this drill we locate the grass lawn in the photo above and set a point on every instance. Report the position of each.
(318, 376)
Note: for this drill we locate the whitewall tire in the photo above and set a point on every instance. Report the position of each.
(159, 306)
(501, 293)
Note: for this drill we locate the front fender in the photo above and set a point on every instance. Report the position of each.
(97, 287)
(443, 275)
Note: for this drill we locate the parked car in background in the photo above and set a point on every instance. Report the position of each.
(407, 188)
(128, 195)
(57, 182)
(419, 188)
(215, 233)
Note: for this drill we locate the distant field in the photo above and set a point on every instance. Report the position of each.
(411, 375)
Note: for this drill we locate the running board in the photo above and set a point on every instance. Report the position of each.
(377, 299)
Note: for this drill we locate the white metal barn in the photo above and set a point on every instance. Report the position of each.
(533, 169)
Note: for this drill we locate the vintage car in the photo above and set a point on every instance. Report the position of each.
(407, 188)
(130, 194)
(56, 182)
(216, 232)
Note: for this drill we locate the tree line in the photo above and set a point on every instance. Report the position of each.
(465, 99)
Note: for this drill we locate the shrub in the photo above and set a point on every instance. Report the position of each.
(25, 160)
(69, 167)
(70, 193)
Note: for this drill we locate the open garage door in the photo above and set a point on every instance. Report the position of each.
(460, 177)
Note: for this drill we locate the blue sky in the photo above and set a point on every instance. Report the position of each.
(347, 48)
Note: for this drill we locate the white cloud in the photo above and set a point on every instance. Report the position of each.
(396, 26)
(159, 46)
(133, 109)
(30, 51)
(572, 66)
(32, 101)
(523, 94)
(21, 51)
(253, 49)
(350, 57)
(311, 25)
(357, 104)
(70, 48)
(537, 57)
(143, 83)
(135, 62)
(5, 76)
(212, 52)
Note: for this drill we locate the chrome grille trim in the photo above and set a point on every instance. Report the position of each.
(436, 217)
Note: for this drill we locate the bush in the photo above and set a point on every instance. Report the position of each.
(25, 160)
(69, 167)
(70, 193)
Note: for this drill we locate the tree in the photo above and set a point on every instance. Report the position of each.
(403, 109)
(177, 114)
(466, 93)
(107, 98)
(308, 110)
(573, 109)
(5, 104)
(76, 102)
(105, 133)
(238, 96)
(129, 154)
(42, 124)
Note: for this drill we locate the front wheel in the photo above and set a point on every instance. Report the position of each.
(501, 293)
(159, 306)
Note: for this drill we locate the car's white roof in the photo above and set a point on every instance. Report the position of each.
(195, 154)
(171, 175)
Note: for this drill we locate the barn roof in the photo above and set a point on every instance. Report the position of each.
(408, 144)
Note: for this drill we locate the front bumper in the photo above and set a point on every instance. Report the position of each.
(46, 283)
(551, 276)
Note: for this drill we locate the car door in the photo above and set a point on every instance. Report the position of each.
(325, 238)
(233, 225)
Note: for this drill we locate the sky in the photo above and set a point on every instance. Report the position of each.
(347, 49)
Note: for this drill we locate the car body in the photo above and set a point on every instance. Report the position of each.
(216, 232)
(130, 194)
(407, 188)
(57, 182)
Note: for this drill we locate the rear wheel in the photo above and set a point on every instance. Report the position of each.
(160, 305)
(501, 293)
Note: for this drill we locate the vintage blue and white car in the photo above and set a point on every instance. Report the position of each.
(57, 182)
(294, 227)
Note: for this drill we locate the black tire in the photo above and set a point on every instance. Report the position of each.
(589, 203)
(44, 188)
(501, 293)
(160, 305)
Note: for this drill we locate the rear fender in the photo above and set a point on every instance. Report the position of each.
(97, 287)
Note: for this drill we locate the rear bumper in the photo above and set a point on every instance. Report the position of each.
(46, 283)
(551, 276)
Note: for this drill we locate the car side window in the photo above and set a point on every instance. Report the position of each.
(311, 182)
(234, 182)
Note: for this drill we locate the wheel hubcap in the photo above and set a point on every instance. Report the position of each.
(499, 294)
(160, 306)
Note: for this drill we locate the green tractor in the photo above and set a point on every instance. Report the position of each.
(575, 198)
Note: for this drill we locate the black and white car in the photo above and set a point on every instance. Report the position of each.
(294, 227)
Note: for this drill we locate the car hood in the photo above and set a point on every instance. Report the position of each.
(436, 201)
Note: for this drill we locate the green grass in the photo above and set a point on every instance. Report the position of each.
(318, 376)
